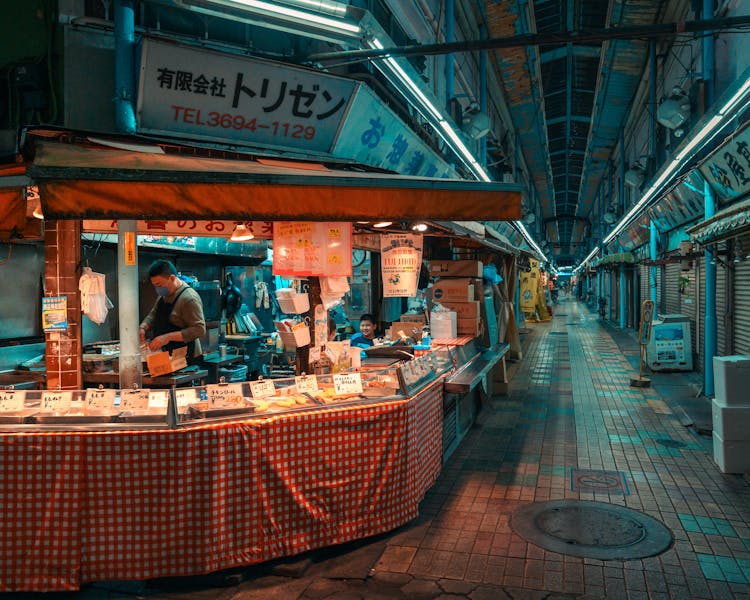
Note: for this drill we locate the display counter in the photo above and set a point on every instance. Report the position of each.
(188, 376)
(148, 494)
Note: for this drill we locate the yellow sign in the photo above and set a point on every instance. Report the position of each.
(130, 251)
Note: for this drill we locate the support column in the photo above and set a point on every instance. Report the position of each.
(709, 333)
(62, 248)
(653, 233)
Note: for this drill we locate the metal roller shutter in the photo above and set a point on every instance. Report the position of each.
(701, 310)
(721, 309)
(672, 273)
(742, 301)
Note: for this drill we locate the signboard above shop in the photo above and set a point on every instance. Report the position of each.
(221, 97)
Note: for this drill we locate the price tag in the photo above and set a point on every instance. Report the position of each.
(12, 401)
(158, 399)
(56, 402)
(185, 396)
(97, 399)
(223, 396)
(306, 384)
(134, 399)
(262, 388)
(347, 383)
(314, 354)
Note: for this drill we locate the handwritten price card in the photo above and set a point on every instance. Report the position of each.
(347, 383)
(262, 388)
(56, 402)
(306, 384)
(185, 397)
(11, 401)
(158, 399)
(224, 396)
(134, 399)
(99, 399)
(304, 248)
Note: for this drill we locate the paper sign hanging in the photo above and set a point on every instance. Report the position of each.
(56, 402)
(306, 384)
(99, 399)
(347, 383)
(400, 263)
(305, 249)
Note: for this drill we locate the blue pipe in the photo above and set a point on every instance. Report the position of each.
(449, 64)
(710, 345)
(652, 98)
(124, 65)
(483, 93)
(652, 237)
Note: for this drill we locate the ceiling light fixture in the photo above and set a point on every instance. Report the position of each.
(382, 224)
(420, 227)
(241, 234)
(707, 132)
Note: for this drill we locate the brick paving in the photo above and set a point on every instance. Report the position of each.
(570, 409)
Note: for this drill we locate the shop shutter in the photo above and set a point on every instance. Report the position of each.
(701, 312)
(672, 274)
(742, 300)
(721, 310)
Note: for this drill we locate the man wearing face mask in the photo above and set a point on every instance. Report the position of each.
(176, 318)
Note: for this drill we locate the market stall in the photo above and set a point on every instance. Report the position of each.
(104, 491)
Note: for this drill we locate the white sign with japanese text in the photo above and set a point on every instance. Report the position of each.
(347, 383)
(304, 249)
(401, 260)
(216, 96)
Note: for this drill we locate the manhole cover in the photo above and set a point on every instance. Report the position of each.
(587, 480)
(591, 529)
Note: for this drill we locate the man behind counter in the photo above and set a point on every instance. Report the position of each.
(176, 318)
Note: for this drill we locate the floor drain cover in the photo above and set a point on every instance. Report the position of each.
(591, 529)
(587, 480)
(669, 443)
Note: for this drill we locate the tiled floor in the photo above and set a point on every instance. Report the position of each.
(570, 408)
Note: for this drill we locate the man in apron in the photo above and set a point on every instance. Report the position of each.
(176, 318)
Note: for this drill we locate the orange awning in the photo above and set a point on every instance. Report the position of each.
(77, 182)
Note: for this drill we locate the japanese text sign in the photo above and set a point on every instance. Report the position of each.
(304, 249)
(401, 260)
(217, 96)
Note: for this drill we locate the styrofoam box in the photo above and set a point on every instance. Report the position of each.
(443, 324)
(732, 379)
(731, 422)
(732, 456)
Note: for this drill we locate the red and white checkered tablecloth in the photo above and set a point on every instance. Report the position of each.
(93, 506)
(41, 496)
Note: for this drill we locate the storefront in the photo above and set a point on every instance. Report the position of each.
(156, 482)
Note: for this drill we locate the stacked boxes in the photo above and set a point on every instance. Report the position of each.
(459, 289)
(730, 410)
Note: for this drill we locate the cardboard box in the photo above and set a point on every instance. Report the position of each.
(456, 268)
(464, 310)
(456, 290)
(410, 329)
(468, 326)
(420, 318)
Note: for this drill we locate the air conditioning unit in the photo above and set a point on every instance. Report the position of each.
(674, 111)
(475, 123)
(635, 175)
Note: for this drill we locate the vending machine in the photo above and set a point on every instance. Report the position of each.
(670, 347)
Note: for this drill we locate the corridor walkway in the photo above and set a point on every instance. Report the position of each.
(570, 410)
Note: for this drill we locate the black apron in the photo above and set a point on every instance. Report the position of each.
(163, 325)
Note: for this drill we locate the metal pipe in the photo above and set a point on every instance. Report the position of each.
(449, 64)
(652, 238)
(709, 203)
(709, 328)
(652, 99)
(124, 70)
(483, 94)
(130, 365)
